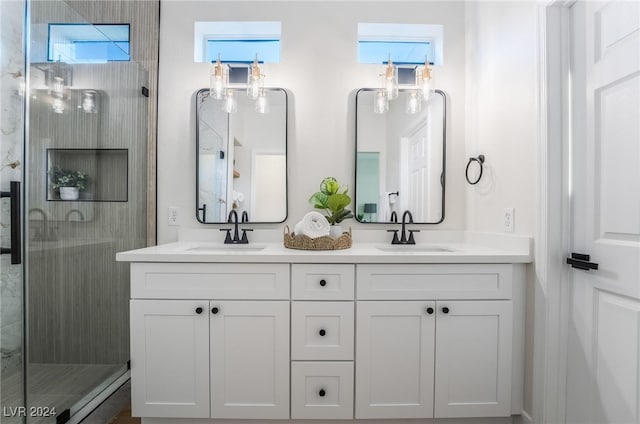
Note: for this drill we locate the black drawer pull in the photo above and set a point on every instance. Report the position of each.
(322, 332)
(430, 310)
(214, 310)
(445, 310)
(322, 393)
(323, 283)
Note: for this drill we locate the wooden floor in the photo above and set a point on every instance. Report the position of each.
(55, 385)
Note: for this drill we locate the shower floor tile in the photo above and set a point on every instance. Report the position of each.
(56, 385)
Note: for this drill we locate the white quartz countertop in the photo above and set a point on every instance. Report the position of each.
(189, 251)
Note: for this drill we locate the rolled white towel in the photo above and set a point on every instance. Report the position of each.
(313, 225)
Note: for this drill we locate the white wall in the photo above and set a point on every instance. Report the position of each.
(502, 122)
(319, 68)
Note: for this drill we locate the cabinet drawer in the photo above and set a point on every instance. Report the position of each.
(322, 390)
(322, 281)
(322, 330)
(434, 281)
(209, 281)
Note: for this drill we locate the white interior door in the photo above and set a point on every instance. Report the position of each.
(603, 383)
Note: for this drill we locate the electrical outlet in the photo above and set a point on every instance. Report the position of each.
(173, 216)
(509, 220)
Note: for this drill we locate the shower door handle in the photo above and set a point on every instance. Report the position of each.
(15, 250)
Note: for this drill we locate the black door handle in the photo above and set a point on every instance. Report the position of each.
(16, 246)
(581, 261)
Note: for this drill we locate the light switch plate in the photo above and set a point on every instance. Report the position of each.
(509, 220)
(173, 216)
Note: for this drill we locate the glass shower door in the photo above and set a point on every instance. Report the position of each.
(85, 193)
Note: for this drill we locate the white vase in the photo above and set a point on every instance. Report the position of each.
(335, 231)
(69, 193)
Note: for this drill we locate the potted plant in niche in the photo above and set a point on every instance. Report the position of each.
(333, 200)
(68, 183)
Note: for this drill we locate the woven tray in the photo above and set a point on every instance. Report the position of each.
(302, 242)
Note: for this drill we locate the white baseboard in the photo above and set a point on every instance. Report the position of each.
(525, 418)
(502, 420)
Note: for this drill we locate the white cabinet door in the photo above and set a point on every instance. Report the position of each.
(473, 359)
(395, 359)
(249, 359)
(169, 358)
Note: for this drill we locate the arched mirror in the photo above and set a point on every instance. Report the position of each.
(241, 160)
(400, 158)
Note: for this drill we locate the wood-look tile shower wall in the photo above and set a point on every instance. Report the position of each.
(78, 294)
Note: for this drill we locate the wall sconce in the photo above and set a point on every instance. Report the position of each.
(88, 103)
(220, 86)
(262, 105)
(218, 79)
(381, 103)
(57, 106)
(413, 104)
(58, 77)
(424, 80)
(230, 104)
(255, 81)
(390, 80)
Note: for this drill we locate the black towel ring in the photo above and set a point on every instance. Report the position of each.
(480, 160)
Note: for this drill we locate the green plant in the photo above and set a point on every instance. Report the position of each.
(65, 178)
(332, 200)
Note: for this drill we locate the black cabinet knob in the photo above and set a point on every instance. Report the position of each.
(198, 310)
(323, 283)
(214, 310)
(430, 310)
(322, 332)
(322, 393)
(445, 310)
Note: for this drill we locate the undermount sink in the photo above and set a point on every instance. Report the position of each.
(227, 248)
(404, 248)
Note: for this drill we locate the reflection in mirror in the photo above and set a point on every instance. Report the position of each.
(242, 158)
(400, 159)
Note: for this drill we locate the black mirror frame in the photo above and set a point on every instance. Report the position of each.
(286, 158)
(444, 157)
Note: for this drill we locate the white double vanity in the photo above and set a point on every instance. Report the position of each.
(373, 332)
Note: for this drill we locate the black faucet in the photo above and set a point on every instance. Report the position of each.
(394, 217)
(403, 238)
(233, 219)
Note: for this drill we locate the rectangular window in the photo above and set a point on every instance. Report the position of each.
(87, 43)
(243, 51)
(407, 44)
(401, 52)
(237, 42)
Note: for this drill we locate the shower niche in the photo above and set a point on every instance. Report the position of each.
(102, 174)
